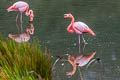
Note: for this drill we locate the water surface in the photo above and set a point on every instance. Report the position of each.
(102, 16)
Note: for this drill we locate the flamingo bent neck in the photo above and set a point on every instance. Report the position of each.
(29, 13)
(69, 28)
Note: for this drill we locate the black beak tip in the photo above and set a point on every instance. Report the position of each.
(65, 14)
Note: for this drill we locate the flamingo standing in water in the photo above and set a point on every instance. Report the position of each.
(78, 27)
(80, 61)
(21, 7)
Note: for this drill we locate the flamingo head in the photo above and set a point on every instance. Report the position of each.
(69, 15)
(10, 36)
(11, 8)
(13, 36)
(29, 31)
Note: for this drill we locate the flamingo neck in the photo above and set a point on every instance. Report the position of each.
(28, 31)
(73, 19)
(71, 61)
(69, 28)
(29, 13)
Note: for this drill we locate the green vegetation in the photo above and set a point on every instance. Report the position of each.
(23, 61)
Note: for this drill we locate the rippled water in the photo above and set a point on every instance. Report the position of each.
(102, 16)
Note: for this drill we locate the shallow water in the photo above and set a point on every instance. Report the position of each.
(102, 16)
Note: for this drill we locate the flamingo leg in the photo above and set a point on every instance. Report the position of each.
(55, 63)
(17, 18)
(21, 22)
(17, 21)
(83, 48)
(84, 40)
(81, 78)
(79, 41)
(21, 17)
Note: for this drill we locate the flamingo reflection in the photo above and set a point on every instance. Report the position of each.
(24, 36)
(80, 61)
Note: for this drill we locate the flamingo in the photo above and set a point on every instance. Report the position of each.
(78, 27)
(23, 37)
(21, 7)
(80, 61)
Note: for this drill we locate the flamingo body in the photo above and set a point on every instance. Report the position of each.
(20, 6)
(79, 27)
(82, 60)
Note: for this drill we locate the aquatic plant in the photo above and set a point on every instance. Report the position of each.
(23, 61)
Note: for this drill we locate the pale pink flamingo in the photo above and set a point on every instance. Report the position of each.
(80, 61)
(23, 37)
(78, 27)
(21, 7)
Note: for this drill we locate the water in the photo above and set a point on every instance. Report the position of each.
(102, 16)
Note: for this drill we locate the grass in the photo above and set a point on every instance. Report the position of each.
(23, 61)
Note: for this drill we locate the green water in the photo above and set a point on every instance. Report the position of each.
(102, 16)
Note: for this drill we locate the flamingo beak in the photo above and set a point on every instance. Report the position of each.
(11, 8)
(65, 15)
(11, 36)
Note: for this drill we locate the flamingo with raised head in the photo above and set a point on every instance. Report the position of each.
(21, 7)
(78, 27)
(80, 61)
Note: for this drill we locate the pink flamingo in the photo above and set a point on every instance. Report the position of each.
(78, 27)
(80, 61)
(24, 36)
(21, 7)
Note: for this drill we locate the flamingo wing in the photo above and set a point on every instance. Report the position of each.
(80, 27)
